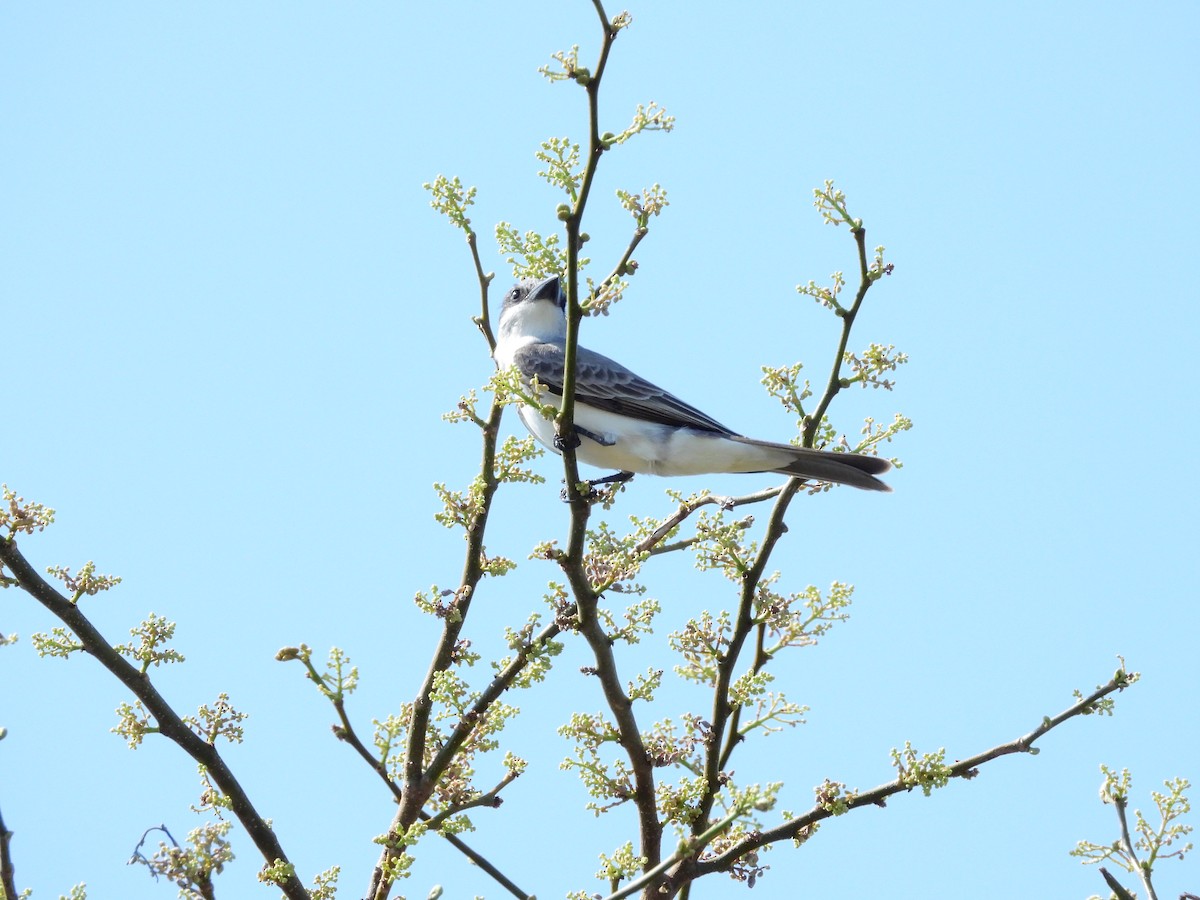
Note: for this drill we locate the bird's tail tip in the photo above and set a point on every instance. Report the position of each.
(852, 469)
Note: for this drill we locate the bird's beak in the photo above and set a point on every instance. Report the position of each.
(550, 289)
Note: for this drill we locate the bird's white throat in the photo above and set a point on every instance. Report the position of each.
(525, 323)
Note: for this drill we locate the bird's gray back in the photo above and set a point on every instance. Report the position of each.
(606, 384)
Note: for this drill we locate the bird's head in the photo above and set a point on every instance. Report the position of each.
(534, 308)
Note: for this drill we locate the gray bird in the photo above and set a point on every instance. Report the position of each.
(626, 423)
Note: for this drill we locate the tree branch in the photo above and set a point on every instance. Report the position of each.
(622, 266)
(686, 509)
(420, 779)
(722, 737)
(170, 724)
(813, 422)
(743, 523)
(800, 827)
(1143, 872)
(490, 798)
(649, 827)
(484, 319)
(419, 782)
(346, 733)
(571, 561)
(7, 873)
(565, 423)
(490, 694)
(649, 877)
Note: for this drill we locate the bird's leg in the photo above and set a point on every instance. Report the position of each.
(562, 441)
(591, 493)
(614, 478)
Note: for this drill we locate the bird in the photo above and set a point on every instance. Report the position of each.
(626, 423)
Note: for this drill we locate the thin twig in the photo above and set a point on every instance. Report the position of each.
(490, 798)
(813, 422)
(621, 268)
(686, 509)
(565, 422)
(618, 701)
(345, 732)
(481, 861)
(419, 781)
(735, 734)
(683, 544)
(1143, 872)
(483, 320)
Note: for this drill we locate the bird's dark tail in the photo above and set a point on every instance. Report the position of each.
(851, 469)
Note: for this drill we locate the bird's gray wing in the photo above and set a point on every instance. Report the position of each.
(605, 384)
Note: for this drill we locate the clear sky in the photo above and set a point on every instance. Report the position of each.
(231, 324)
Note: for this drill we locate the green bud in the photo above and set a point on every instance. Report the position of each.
(563, 212)
(584, 237)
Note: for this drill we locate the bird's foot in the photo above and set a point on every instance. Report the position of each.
(567, 441)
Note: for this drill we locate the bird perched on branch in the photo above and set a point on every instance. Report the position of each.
(624, 422)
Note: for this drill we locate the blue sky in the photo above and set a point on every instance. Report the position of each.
(232, 324)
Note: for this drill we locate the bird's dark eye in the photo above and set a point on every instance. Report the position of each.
(514, 295)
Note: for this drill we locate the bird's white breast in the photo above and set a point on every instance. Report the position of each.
(633, 445)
